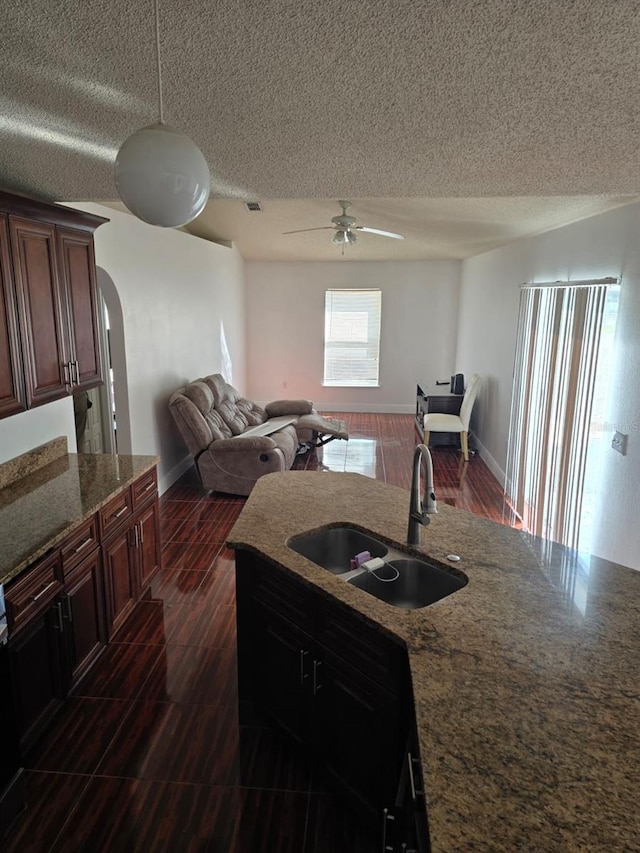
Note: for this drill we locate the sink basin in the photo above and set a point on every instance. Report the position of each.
(333, 548)
(418, 583)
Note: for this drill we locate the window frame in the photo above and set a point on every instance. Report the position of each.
(337, 302)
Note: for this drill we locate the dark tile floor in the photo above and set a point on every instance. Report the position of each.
(148, 754)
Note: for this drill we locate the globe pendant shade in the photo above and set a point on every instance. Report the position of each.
(162, 176)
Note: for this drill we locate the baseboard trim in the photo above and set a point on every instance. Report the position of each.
(365, 408)
(372, 408)
(488, 459)
(168, 479)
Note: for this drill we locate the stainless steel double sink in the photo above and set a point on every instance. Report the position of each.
(404, 581)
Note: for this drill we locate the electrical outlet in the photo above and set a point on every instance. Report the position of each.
(619, 442)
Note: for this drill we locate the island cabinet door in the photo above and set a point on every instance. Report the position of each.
(282, 667)
(357, 725)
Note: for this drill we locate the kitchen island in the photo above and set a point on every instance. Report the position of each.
(525, 682)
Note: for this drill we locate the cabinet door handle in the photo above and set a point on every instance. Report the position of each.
(386, 817)
(66, 373)
(149, 487)
(316, 683)
(303, 674)
(67, 606)
(76, 371)
(141, 533)
(120, 512)
(411, 761)
(42, 591)
(58, 609)
(83, 545)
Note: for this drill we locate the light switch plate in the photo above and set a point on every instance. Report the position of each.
(619, 442)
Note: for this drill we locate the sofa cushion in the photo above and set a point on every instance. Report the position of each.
(288, 407)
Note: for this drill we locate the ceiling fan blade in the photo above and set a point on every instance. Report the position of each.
(321, 228)
(378, 231)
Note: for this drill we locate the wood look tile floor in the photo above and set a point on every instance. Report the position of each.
(148, 754)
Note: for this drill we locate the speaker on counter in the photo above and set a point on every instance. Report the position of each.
(457, 383)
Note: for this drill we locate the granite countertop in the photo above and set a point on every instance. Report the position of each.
(526, 682)
(42, 501)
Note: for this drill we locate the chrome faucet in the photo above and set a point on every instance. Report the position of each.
(419, 512)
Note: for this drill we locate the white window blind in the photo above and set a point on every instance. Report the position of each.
(553, 389)
(352, 337)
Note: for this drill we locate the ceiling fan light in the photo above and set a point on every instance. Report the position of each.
(350, 237)
(338, 238)
(162, 176)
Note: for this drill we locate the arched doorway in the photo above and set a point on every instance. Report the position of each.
(114, 397)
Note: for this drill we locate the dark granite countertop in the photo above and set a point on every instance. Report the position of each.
(44, 502)
(526, 682)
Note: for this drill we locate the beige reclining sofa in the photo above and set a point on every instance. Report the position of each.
(234, 441)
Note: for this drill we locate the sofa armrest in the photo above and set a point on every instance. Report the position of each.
(238, 444)
(288, 407)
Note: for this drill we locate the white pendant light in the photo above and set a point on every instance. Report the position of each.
(161, 175)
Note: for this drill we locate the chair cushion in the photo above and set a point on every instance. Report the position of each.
(438, 422)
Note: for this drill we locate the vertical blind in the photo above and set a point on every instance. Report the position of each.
(554, 378)
(352, 337)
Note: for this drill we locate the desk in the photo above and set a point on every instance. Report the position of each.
(437, 398)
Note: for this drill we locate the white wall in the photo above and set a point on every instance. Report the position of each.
(285, 329)
(23, 432)
(605, 245)
(177, 294)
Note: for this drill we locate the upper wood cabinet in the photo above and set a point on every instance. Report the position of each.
(12, 391)
(49, 338)
(40, 310)
(78, 274)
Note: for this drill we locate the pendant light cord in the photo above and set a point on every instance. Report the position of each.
(160, 105)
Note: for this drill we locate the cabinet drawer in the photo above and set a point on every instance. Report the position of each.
(362, 646)
(115, 513)
(144, 488)
(33, 591)
(79, 544)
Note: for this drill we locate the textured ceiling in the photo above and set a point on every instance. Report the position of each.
(422, 100)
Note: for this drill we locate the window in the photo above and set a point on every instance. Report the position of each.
(352, 337)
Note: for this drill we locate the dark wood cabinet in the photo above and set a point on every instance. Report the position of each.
(357, 724)
(83, 614)
(49, 333)
(63, 609)
(131, 547)
(299, 659)
(281, 671)
(148, 545)
(405, 827)
(36, 646)
(12, 390)
(40, 309)
(78, 276)
(119, 578)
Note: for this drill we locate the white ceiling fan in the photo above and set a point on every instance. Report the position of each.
(345, 228)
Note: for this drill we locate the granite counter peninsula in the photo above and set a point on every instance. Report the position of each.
(525, 683)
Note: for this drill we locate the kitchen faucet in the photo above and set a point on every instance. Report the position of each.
(419, 512)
